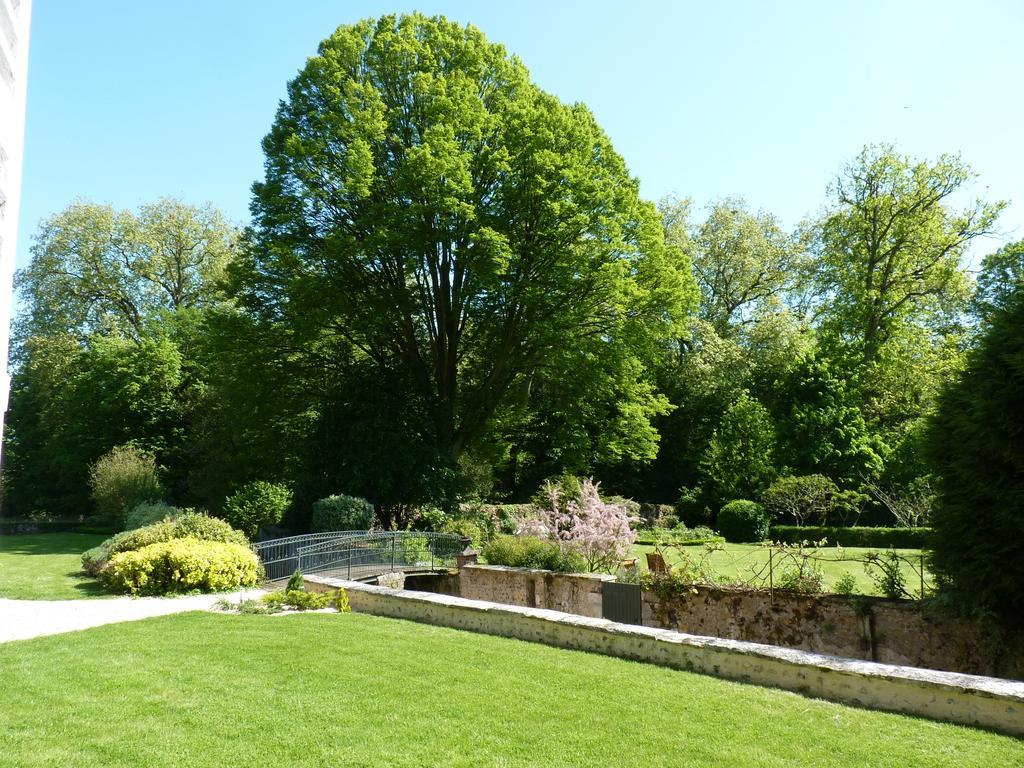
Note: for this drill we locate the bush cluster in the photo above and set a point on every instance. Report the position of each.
(183, 565)
(189, 524)
(882, 538)
(342, 513)
(743, 521)
(531, 552)
(255, 504)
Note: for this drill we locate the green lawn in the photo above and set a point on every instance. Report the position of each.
(46, 566)
(326, 689)
(740, 561)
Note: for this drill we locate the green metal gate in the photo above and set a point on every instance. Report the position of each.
(621, 602)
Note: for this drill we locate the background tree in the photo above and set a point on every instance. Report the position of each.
(428, 205)
(891, 249)
(1001, 275)
(106, 346)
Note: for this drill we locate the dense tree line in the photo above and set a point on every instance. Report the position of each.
(451, 288)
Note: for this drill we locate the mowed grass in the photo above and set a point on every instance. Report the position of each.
(740, 562)
(46, 566)
(357, 690)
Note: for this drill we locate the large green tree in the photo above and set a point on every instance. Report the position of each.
(430, 212)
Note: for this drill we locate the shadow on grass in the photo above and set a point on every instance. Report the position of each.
(49, 543)
(88, 586)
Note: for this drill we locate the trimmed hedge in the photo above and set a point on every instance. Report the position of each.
(531, 552)
(900, 538)
(743, 521)
(342, 513)
(183, 565)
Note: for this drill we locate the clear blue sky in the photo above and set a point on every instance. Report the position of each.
(130, 100)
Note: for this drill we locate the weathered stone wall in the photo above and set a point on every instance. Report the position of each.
(996, 704)
(578, 593)
(889, 631)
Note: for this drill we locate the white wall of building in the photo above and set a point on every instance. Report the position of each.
(14, 28)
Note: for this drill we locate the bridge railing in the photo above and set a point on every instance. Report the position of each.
(372, 554)
(280, 556)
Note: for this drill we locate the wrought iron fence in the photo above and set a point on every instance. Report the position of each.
(280, 556)
(370, 554)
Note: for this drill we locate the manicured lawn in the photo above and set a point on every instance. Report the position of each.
(315, 690)
(740, 561)
(46, 566)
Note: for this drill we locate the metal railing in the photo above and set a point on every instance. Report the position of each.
(366, 555)
(280, 556)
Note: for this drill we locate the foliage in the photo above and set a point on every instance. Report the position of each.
(1001, 277)
(975, 446)
(576, 518)
(808, 498)
(148, 512)
(122, 479)
(183, 565)
(901, 538)
(531, 552)
(682, 575)
(342, 513)
(911, 508)
(798, 566)
(885, 569)
(296, 583)
(341, 604)
(740, 457)
(678, 535)
(742, 520)
(255, 504)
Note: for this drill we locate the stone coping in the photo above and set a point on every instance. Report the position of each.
(969, 699)
(538, 572)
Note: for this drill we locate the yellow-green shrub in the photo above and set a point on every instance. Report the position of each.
(183, 565)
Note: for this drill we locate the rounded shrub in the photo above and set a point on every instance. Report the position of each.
(342, 513)
(148, 512)
(743, 521)
(121, 479)
(531, 552)
(258, 503)
(183, 565)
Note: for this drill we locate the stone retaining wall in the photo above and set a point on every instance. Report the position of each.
(872, 629)
(890, 631)
(578, 593)
(967, 699)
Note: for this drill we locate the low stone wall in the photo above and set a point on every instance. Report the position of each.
(985, 702)
(889, 631)
(578, 593)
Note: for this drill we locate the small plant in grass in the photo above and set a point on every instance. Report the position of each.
(341, 604)
(845, 584)
(258, 503)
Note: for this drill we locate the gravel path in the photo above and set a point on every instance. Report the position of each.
(22, 619)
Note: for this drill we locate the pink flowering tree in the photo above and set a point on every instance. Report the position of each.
(600, 532)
